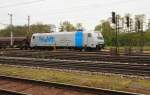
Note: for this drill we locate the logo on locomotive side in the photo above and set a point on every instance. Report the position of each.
(46, 39)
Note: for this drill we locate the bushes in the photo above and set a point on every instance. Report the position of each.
(21, 31)
(126, 39)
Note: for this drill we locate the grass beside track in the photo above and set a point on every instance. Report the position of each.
(115, 82)
(145, 48)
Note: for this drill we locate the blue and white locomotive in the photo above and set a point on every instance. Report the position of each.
(82, 40)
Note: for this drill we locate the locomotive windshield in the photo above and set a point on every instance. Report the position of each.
(100, 38)
(89, 35)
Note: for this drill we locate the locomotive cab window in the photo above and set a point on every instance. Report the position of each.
(100, 38)
(33, 37)
(89, 35)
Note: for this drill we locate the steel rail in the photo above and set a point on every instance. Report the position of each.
(10, 92)
(79, 56)
(85, 89)
(130, 69)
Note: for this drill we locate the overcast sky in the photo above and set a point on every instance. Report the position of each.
(88, 12)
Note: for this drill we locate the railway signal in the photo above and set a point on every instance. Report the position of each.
(139, 24)
(113, 17)
(115, 21)
(149, 24)
(128, 21)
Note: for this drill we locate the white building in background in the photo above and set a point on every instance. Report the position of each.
(123, 26)
(2, 26)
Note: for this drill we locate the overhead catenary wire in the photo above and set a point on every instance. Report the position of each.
(86, 7)
(20, 3)
(97, 5)
(69, 10)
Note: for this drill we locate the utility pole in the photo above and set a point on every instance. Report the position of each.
(11, 30)
(28, 31)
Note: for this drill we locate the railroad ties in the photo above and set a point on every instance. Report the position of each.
(90, 66)
(20, 86)
(99, 62)
(74, 55)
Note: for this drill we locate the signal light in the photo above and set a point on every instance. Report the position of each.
(128, 21)
(149, 25)
(139, 24)
(113, 17)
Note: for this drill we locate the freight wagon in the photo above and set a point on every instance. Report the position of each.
(19, 42)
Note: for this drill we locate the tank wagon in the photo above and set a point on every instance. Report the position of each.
(82, 40)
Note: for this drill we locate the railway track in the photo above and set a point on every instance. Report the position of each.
(106, 52)
(38, 87)
(72, 51)
(90, 66)
(72, 55)
(9, 92)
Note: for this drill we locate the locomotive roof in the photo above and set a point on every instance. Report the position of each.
(65, 32)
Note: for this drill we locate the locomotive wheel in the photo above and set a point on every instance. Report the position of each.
(84, 49)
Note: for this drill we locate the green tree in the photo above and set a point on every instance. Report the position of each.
(67, 26)
(19, 31)
(98, 27)
(79, 26)
(107, 32)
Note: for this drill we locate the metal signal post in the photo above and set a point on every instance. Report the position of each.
(115, 20)
(117, 30)
(141, 38)
(129, 29)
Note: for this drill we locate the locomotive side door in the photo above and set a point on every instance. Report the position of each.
(89, 36)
